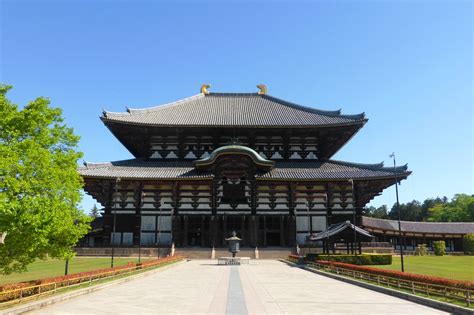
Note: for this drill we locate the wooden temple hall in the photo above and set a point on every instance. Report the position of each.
(214, 163)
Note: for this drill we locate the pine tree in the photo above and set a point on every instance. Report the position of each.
(95, 212)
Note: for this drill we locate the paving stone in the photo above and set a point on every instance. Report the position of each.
(262, 287)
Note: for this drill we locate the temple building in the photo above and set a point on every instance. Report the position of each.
(214, 163)
(416, 233)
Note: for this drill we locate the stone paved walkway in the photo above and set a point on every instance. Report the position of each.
(272, 287)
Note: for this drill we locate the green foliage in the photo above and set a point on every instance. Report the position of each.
(439, 248)
(415, 210)
(459, 209)
(379, 213)
(468, 244)
(364, 259)
(95, 212)
(422, 250)
(39, 184)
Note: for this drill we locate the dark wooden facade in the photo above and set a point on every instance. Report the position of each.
(193, 185)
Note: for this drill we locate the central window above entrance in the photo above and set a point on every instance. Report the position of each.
(233, 192)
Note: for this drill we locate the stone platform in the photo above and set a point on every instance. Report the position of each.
(264, 286)
(233, 260)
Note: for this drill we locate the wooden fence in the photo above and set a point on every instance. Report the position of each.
(22, 294)
(449, 294)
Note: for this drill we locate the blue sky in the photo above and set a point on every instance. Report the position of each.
(407, 64)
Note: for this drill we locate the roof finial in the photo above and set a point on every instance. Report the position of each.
(204, 88)
(263, 89)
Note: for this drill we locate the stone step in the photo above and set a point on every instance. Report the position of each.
(264, 253)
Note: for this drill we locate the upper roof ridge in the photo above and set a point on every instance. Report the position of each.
(135, 111)
(329, 113)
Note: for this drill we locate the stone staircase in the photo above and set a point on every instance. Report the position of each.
(205, 253)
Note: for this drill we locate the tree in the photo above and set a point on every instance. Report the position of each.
(380, 212)
(95, 212)
(459, 209)
(410, 211)
(430, 203)
(39, 184)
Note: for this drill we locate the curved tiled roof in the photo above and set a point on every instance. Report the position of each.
(339, 228)
(419, 227)
(234, 149)
(297, 170)
(232, 109)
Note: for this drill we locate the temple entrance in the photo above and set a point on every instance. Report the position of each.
(273, 239)
(254, 230)
(194, 239)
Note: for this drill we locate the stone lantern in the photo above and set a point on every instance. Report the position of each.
(234, 243)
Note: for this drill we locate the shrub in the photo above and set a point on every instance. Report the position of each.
(75, 278)
(439, 248)
(363, 259)
(311, 256)
(296, 259)
(403, 275)
(468, 244)
(422, 250)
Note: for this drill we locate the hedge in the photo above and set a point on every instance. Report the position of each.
(403, 275)
(74, 278)
(363, 259)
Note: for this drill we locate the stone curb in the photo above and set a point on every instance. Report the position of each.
(453, 309)
(41, 303)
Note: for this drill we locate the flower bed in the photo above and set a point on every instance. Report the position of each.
(296, 259)
(39, 286)
(361, 259)
(403, 275)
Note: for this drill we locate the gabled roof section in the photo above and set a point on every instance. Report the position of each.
(232, 110)
(314, 170)
(297, 170)
(336, 230)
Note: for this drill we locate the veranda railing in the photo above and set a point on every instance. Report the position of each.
(22, 294)
(449, 294)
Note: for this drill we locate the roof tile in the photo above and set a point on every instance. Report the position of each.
(232, 109)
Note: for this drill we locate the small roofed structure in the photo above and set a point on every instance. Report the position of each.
(344, 232)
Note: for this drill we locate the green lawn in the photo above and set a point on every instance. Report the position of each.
(451, 267)
(52, 267)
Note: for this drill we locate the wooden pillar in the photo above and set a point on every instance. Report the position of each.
(256, 227)
(202, 232)
(138, 195)
(291, 230)
(245, 240)
(282, 231)
(214, 197)
(185, 234)
(328, 205)
(264, 230)
(175, 228)
(224, 228)
(253, 197)
(251, 231)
